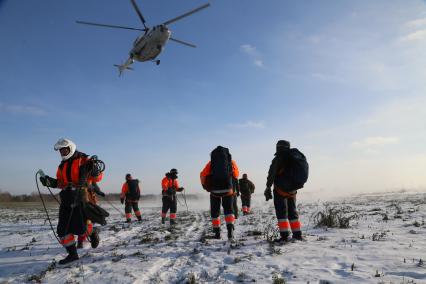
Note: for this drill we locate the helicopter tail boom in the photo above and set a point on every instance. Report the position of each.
(122, 67)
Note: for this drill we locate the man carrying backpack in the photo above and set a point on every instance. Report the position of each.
(217, 178)
(246, 190)
(288, 173)
(170, 186)
(73, 175)
(130, 194)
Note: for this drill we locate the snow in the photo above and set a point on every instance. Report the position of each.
(372, 250)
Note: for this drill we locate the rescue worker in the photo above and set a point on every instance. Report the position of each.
(236, 193)
(170, 186)
(246, 190)
(92, 191)
(130, 195)
(217, 178)
(72, 177)
(284, 200)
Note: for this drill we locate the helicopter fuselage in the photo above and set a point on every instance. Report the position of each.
(149, 45)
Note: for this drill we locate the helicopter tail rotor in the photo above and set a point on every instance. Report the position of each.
(122, 67)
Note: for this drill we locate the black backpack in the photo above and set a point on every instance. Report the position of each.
(95, 213)
(221, 169)
(133, 193)
(295, 171)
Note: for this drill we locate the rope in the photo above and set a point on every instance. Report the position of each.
(53, 195)
(184, 198)
(112, 205)
(45, 209)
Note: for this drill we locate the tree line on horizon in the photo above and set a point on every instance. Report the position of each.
(6, 196)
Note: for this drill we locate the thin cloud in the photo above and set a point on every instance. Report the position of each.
(416, 23)
(248, 124)
(375, 142)
(21, 109)
(253, 54)
(414, 36)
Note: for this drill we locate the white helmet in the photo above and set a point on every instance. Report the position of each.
(65, 143)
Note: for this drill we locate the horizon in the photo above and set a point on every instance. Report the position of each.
(342, 81)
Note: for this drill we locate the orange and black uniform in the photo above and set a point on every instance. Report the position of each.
(72, 177)
(284, 201)
(220, 195)
(130, 191)
(169, 185)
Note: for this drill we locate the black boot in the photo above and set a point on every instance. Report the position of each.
(172, 222)
(94, 238)
(216, 232)
(163, 220)
(298, 236)
(128, 220)
(230, 228)
(139, 218)
(72, 255)
(80, 244)
(283, 239)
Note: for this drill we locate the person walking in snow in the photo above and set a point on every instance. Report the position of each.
(217, 178)
(288, 172)
(170, 186)
(73, 175)
(246, 190)
(130, 195)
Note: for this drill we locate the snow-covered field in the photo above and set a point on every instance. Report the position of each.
(386, 243)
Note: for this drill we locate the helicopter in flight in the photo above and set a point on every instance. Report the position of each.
(148, 45)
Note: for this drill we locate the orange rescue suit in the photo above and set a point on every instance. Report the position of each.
(68, 173)
(167, 183)
(125, 190)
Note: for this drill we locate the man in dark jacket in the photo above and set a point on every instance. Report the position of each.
(130, 194)
(246, 190)
(284, 200)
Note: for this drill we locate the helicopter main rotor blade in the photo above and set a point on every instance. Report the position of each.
(109, 26)
(138, 11)
(187, 14)
(182, 42)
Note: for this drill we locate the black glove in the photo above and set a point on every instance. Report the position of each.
(101, 193)
(268, 193)
(48, 181)
(238, 193)
(122, 200)
(180, 189)
(44, 180)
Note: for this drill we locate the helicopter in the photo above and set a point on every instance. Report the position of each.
(148, 45)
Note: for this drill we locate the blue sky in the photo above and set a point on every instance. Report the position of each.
(344, 81)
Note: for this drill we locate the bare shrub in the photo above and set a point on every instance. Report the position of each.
(378, 236)
(277, 279)
(271, 232)
(333, 217)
